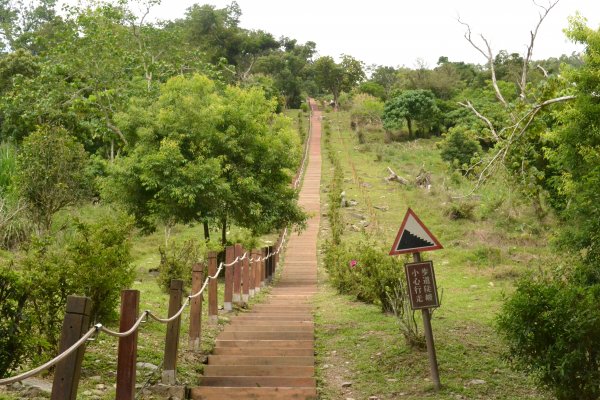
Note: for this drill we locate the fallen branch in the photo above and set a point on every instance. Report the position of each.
(395, 178)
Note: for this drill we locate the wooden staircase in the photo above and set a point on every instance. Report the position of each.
(268, 351)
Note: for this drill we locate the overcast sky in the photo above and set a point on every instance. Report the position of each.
(398, 32)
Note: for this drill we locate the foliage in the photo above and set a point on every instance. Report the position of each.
(366, 110)
(8, 162)
(51, 173)
(15, 339)
(410, 105)
(552, 328)
(208, 154)
(460, 210)
(338, 77)
(88, 258)
(459, 147)
(176, 262)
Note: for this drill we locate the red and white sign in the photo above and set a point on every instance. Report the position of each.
(413, 236)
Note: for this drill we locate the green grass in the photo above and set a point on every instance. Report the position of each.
(481, 258)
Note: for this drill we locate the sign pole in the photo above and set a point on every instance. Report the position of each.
(433, 364)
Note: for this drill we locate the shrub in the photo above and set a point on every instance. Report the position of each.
(89, 258)
(552, 327)
(459, 147)
(176, 263)
(366, 271)
(51, 173)
(15, 339)
(460, 210)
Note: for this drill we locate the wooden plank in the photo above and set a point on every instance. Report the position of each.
(68, 371)
(253, 393)
(127, 353)
(172, 337)
(259, 370)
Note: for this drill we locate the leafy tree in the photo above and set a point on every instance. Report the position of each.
(208, 155)
(290, 69)
(410, 105)
(51, 173)
(335, 78)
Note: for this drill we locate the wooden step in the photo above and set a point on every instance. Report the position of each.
(261, 360)
(269, 328)
(264, 352)
(259, 370)
(257, 381)
(276, 344)
(267, 335)
(253, 393)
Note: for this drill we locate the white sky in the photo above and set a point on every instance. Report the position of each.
(398, 32)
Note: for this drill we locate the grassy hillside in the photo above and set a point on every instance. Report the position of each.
(483, 254)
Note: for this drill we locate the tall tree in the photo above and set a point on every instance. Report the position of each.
(338, 77)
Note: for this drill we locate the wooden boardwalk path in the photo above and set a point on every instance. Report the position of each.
(268, 352)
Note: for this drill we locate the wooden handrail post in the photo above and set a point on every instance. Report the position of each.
(169, 376)
(75, 324)
(251, 277)
(228, 296)
(271, 264)
(245, 278)
(196, 307)
(263, 267)
(237, 275)
(256, 255)
(213, 309)
(127, 353)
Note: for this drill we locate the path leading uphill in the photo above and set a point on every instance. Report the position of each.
(268, 351)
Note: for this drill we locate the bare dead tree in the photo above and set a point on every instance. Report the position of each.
(520, 117)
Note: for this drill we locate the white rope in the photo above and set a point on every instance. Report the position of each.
(130, 331)
(58, 358)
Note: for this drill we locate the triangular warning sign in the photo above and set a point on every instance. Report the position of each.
(413, 236)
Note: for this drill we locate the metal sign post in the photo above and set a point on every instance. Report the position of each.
(413, 237)
(433, 364)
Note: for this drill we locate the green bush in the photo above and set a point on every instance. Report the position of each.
(460, 210)
(89, 258)
(176, 263)
(459, 147)
(15, 340)
(552, 327)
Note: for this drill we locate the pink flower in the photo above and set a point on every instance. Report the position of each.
(353, 263)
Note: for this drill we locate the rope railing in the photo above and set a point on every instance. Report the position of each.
(98, 328)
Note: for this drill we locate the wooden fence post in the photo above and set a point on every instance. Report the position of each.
(228, 296)
(196, 307)
(257, 273)
(127, 353)
(213, 309)
(251, 277)
(270, 261)
(237, 275)
(75, 324)
(172, 337)
(246, 278)
(264, 275)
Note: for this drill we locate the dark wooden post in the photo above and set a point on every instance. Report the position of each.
(245, 278)
(213, 309)
(228, 297)
(75, 324)
(237, 275)
(196, 307)
(433, 364)
(257, 270)
(127, 354)
(172, 337)
(271, 263)
(265, 263)
(251, 277)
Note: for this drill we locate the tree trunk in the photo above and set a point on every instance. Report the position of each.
(206, 231)
(409, 123)
(224, 231)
